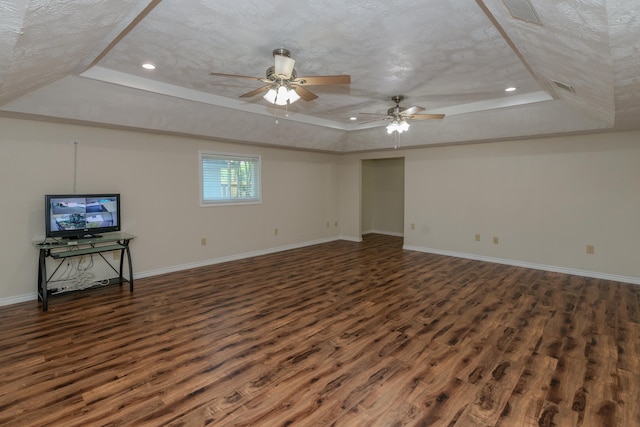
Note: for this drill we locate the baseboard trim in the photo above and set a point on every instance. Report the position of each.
(18, 299)
(172, 269)
(535, 266)
(204, 263)
(386, 233)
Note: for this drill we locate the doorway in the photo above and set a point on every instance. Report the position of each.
(383, 196)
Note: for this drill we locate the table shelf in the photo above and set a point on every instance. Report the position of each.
(86, 251)
(61, 250)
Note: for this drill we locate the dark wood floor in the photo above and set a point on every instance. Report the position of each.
(338, 334)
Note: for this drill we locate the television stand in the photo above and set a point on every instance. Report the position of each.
(68, 248)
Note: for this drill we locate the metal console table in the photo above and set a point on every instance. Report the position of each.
(64, 248)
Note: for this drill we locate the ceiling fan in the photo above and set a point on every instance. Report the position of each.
(399, 116)
(283, 86)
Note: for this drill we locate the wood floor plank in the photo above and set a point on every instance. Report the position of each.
(336, 334)
(524, 407)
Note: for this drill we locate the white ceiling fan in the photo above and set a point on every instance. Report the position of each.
(399, 116)
(283, 86)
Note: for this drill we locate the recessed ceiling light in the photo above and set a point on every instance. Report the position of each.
(510, 89)
(353, 118)
(148, 66)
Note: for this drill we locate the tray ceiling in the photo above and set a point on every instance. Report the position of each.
(80, 61)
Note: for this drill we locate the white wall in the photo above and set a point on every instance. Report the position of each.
(157, 176)
(545, 199)
(350, 198)
(368, 196)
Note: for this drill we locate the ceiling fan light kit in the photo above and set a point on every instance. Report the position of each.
(281, 95)
(397, 126)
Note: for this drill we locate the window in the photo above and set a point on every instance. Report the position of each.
(229, 179)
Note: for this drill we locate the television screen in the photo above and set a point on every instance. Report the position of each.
(80, 215)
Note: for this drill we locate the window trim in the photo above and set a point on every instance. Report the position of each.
(257, 187)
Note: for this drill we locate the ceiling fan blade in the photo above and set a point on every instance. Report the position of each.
(234, 75)
(374, 120)
(324, 80)
(411, 110)
(305, 94)
(255, 92)
(284, 66)
(426, 116)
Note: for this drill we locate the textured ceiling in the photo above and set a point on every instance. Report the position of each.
(80, 61)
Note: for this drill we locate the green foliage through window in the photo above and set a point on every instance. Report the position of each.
(229, 179)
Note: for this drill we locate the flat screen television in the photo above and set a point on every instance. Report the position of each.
(78, 216)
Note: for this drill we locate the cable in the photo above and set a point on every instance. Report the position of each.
(76, 277)
(75, 164)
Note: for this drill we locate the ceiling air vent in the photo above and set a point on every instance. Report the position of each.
(523, 9)
(564, 86)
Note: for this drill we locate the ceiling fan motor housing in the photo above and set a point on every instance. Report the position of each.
(394, 111)
(271, 74)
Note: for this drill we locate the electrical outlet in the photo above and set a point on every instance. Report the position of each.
(496, 240)
(275, 231)
(591, 249)
(413, 226)
(335, 224)
(203, 241)
(477, 237)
